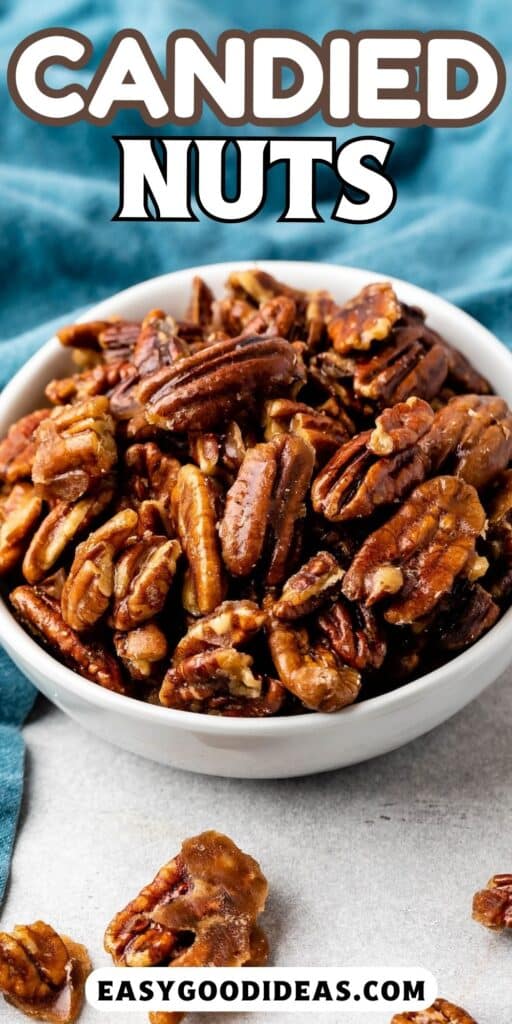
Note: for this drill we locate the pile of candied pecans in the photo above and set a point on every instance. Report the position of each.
(273, 505)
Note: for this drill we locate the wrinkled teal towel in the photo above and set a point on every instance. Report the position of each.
(450, 231)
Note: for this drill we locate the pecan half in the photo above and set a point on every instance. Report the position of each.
(441, 1012)
(42, 973)
(20, 510)
(366, 318)
(354, 634)
(220, 681)
(414, 362)
(376, 467)
(416, 556)
(141, 649)
(90, 584)
(323, 432)
(310, 588)
(151, 475)
(83, 335)
(98, 380)
(195, 515)
(65, 521)
(200, 910)
(463, 616)
(17, 450)
(199, 310)
(499, 537)
(492, 906)
(211, 386)
(232, 624)
(220, 454)
(275, 318)
(143, 576)
(471, 437)
(75, 449)
(117, 340)
(42, 617)
(312, 672)
(259, 286)
(264, 507)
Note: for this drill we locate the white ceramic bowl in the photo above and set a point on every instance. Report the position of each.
(281, 747)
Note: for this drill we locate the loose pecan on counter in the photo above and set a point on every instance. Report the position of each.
(442, 1012)
(492, 906)
(201, 910)
(42, 973)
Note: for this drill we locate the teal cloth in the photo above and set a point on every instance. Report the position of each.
(450, 231)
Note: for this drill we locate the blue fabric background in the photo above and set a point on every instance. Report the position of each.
(450, 230)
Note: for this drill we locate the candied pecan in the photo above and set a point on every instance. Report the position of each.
(199, 310)
(195, 515)
(366, 318)
(208, 388)
(499, 537)
(229, 316)
(42, 617)
(401, 426)
(409, 364)
(354, 634)
(416, 556)
(90, 584)
(75, 449)
(143, 576)
(43, 974)
(117, 340)
(220, 454)
(223, 672)
(325, 433)
(17, 450)
(471, 437)
(140, 649)
(265, 505)
(310, 588)
(63, 523)
(441, 1012)
(312, 672)
(200, 910)
(463, 616)
(232, 624)
(20, 509)
(83, 335)
(151, 475)
(275, 318)
(259, 286)
(358, 479)
(98, 380)
(159, 343)
(492, 906)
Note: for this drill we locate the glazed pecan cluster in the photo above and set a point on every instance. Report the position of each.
(43, 973)
(275, 504)
(200, 910)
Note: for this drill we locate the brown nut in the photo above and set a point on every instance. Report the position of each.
(98, 380)
(143, 576)
(141, 650)
(151, 476)
(199, 310)
(463, 616)
(441, 1012)
(195, 515)
(354, 634)
(499, 537)
(416, 556)
(376, 467)
(212, 386)
(83, 335)
(90, 583)
(219, 454)
(413, 362)
(260, 287)
(42, 617)
(200, 910)
(117, 341)
(325, 433)
(196, 681)
(20, 510)
(232, 624)
(264, 507)
(471, 437)
(312, 672)
(64, 522)
(275, 318)
(312, 586)
(75, 449)
(17, 450)
(492, 906)
(43, 974)
(366, 318)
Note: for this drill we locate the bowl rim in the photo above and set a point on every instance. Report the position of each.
(21, 642)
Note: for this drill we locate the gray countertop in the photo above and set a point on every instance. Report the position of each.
(374, 864)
